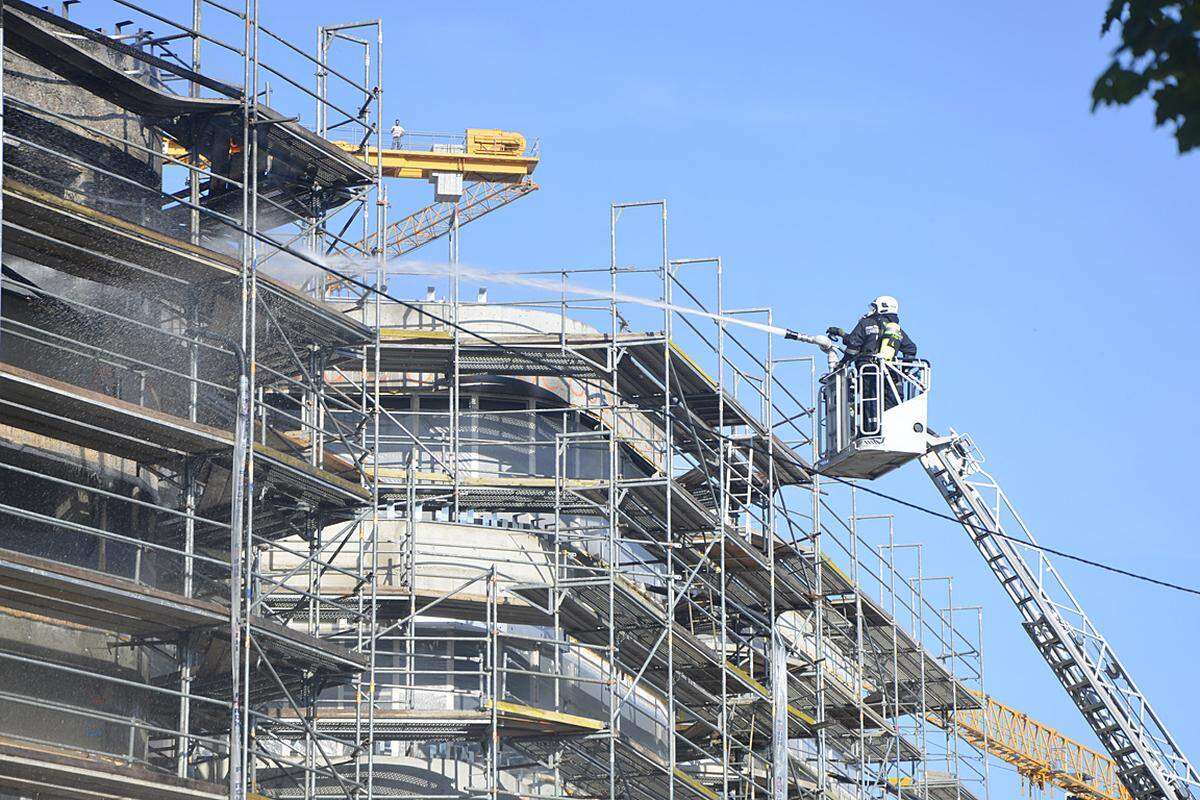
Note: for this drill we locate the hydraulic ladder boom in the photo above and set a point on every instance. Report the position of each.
(1149, 762)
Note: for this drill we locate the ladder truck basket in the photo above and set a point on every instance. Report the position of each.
(874, 415)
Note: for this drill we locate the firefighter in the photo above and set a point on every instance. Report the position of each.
(877, 337)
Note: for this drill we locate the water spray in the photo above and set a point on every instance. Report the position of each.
(420, 268)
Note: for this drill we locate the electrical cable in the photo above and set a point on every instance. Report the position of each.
(812, 469)
(1023, 542)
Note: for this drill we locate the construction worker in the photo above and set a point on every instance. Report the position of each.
(877, 337)
(397, 134)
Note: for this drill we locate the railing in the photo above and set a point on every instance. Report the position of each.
(851, 398)
(162, 525)
(473, 141)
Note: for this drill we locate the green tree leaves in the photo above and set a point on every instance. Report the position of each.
(1160, 55)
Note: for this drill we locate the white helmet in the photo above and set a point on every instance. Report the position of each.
(885, 304)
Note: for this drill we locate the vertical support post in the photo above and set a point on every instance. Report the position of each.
(920, 624)
(455, 433)
(985, 712)
(955, 658)
(897, 745)
(779, 677)
(668, 458)
(493, 650)
(410, 562)
(859, 655)
(779, 720)
(241, 435)
(722, 530)
(314, 621)
(924, 688)
(614, 475)
(376, 414)
(553, 595)
(194, 155)
(186, 668)
(241, 523)
(249, 548)
(818, 591)
(2, 126)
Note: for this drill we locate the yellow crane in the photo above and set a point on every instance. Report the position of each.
(485, 155)
(1039, 753)
(494, 167)
(434, 221)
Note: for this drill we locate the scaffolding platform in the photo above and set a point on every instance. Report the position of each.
(81, 241)
(900, 659)
(513, 720)
(930, 786)
(98, 600)
(640, 775)
(99, 422)
(307, 161)
(37, 770)
(63, 57)
(640, 377)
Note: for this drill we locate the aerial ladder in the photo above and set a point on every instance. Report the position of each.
(1149, 762)
(873, 419)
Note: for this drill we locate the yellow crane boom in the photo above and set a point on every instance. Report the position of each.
(495, 169)
(433, 222)
(1039, 753)
(486, 155)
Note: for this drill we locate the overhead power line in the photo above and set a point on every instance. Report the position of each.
(1023, 542)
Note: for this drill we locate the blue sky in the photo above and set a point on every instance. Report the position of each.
(1045, 257)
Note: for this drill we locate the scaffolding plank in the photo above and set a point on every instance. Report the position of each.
(110, 602)
(39, 770)
(90, 419)
(90, 244)
(403, 724)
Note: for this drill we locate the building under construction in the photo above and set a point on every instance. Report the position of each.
(277, 520)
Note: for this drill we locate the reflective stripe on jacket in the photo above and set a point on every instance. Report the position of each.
(889, 340)
(869, 334)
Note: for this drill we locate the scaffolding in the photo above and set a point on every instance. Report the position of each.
(285, 532)
(584, 527)
(168, 431)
